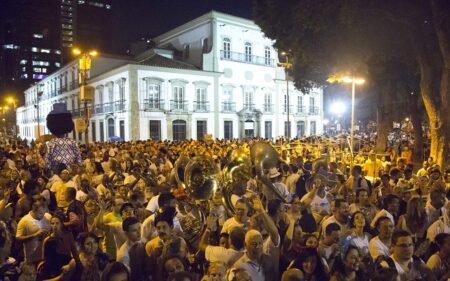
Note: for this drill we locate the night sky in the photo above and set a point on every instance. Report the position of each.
(149, 18)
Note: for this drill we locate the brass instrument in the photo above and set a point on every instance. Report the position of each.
(264, 157)
(200, 177)
(237, 171)
(180, 166)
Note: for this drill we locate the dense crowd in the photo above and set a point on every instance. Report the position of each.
(121, 211)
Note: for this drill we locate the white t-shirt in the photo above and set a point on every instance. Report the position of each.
(378, 248)
(27, 226)
(221, 254)
(382, 213)
(229, 224)
(318, 205)
(123, 254)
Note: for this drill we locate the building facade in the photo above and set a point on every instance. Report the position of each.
(217, 74)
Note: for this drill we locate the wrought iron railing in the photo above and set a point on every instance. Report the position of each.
(268, 108)
(201, 106)
(179, 105)
(249, 106)
(246, 58)
(228, 106)
(313, 110)
(153, 105)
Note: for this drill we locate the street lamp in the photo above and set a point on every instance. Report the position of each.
(86, 92)
(354, 81)
(13, 102)
(3, 109)
(287, 66)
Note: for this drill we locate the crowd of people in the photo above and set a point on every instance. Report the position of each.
(121, 212)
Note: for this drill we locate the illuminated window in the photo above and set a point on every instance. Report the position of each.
(108, 6)
(57, 52)
(37, 69)
(45, 51)
(36, 35)
(24, 69)
(57, 64)
(34, 49)
(22, 62)
(44, 70)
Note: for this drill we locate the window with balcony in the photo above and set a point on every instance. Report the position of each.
(201, 103)
(226, 48)
(178, 97)
(268, 102)
(248, 99)
(122, 129)
(93, 131)
(300, 108)
(227, 100)
(248, 51)
(267, 56)
(153, 96)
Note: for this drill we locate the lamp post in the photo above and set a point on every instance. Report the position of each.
(84, 66)
(14, 103)
(354, 81)
(287, 66)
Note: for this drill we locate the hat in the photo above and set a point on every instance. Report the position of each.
(59, 120)
(273, 172)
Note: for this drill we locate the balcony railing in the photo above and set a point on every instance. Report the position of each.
(290, 109)
(179, 105)
(301, 110)
(153, 105)
(268, 108)
(249, 106)
(72, 85)
(109, 107)
(228, 106)
(201, 106)
(313, 110)
(245, 58)
(77, 113)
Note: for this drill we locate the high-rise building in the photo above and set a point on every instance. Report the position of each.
(29, 38)
(86, 24)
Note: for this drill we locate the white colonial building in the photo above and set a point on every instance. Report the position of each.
(216, 74)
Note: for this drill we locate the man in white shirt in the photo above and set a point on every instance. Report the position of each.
(240, 217)
(132, 229)
(379, 245)
(442, 225)
(407, 267)
(31, 231)
(391, 205)
(341, 214)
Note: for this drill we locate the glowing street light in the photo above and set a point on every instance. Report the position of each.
(354, 81)
(12, 100)
(337, 108)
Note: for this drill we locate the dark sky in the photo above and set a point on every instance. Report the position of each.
(136, 18)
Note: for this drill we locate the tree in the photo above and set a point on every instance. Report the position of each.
(326, 37)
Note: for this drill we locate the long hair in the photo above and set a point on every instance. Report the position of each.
(319, 271)
(416, 216)
(339, 265)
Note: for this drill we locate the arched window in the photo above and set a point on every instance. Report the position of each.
(226, 48)
(111, 128)
(179, 130)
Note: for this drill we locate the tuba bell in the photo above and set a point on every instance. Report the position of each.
(179, 167)
(264, 157)
(236, 171)
(200, 177)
